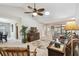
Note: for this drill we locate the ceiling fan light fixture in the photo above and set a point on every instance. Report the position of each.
(34, 14)
(47, 13)
(35, 11)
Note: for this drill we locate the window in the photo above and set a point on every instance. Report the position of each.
(5, 28)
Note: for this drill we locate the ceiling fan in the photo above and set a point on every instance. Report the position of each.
(35, 11)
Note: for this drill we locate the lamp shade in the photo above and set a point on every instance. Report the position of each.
(71, 25)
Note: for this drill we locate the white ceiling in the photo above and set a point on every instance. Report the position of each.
(58, 11)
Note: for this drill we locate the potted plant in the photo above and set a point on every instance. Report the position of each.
(24, 34)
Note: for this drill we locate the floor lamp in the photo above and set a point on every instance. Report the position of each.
(71, 25)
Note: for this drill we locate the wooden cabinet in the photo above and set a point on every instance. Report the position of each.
(33, 34)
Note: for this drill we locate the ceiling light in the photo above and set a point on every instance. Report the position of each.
(47, 13)
(34, 14)
(73, 18)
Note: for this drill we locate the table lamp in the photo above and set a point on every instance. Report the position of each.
(71, 25)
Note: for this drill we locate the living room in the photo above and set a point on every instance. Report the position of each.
(39, 25)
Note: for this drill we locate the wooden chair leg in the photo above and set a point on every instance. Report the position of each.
(28, 50)
(35, 52)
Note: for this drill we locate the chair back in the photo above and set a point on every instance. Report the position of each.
(15, 51)
(70, 47)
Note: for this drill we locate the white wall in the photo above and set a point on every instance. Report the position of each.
(12, 34)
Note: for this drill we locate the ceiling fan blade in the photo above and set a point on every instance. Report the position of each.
(41, 14)
(28, 12)
(30, 7)
(41, 10)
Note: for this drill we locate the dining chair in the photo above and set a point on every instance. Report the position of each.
(16, 51)
(70, 47)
